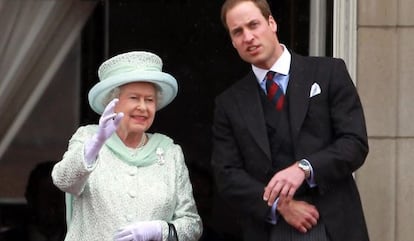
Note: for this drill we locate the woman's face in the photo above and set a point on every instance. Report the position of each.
(138, 102)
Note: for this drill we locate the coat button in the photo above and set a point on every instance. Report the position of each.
(132, 194)
(133, 171)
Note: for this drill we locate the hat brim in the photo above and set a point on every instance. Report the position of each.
(166, 84)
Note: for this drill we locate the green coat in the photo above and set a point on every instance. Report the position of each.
(152, 185)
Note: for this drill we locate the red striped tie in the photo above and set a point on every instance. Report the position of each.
(274, 92)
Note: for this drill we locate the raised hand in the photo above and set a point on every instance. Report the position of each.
(108, 123)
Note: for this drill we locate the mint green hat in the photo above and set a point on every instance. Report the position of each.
(135, 66)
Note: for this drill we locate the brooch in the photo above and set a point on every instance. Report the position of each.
(160, 156)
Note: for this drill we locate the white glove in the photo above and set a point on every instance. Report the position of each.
(108, 123)
(140, 231)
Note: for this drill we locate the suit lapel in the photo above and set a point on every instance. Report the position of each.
(249, 103)
(299, 86)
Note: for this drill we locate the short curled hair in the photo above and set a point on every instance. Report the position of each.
(114, 93)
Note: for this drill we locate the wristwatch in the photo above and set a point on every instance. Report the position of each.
(305, 166)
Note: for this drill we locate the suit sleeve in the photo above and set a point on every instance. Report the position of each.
(343, 136)
(233, 181)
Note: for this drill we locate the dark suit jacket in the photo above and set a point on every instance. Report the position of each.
(328, 130)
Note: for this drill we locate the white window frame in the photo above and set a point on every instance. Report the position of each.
(344, 31)
(345, 34)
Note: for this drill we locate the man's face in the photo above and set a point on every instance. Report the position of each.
(253, 36)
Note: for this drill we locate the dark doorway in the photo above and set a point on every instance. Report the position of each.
(195, 48)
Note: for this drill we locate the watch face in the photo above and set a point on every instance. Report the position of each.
(303, 164)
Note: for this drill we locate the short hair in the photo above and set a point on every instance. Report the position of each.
(115, 92)
(262, 5)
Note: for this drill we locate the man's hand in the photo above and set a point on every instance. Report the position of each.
(299, 214)
(284, 184)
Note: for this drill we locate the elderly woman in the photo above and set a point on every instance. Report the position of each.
(123, 183)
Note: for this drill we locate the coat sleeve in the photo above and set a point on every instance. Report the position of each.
(340, 146)
(235, 176)
(185, 218)
(71, 174)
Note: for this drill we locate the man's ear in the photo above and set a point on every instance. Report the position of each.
(272, 23)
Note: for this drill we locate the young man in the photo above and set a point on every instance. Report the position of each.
(287, 137)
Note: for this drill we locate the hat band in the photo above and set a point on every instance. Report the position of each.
(128, 68)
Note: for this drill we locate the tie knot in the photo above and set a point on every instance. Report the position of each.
(270, 75)
(274, 92)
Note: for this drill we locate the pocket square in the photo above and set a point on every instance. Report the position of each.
(315, 90)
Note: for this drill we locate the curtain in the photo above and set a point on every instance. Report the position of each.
(36, 35)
